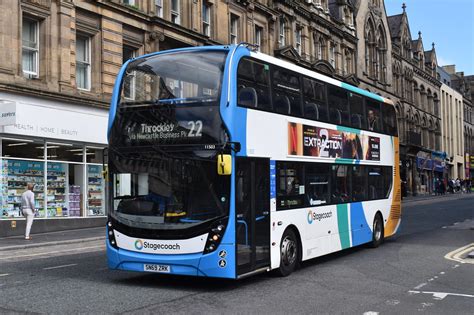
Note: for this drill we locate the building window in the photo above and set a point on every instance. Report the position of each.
(159, 8)
(30, 48)
(129, 79)
(281, 37)
(83, 64)
(206, 18)
(129, 2)
(234, 29)
(175, 16)
(332, 55)
(298, 39)
(258, 37)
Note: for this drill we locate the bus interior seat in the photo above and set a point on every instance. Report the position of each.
(282, 104)
(345, 117)
(247, 97)
(311, 111)
(335, 116)
(372, 192)
(356, 121)
(323, 113)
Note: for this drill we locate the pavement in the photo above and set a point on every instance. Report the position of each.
(53, 238)
(98, 233)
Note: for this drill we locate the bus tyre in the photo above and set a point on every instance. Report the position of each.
(288, 253)
(377, 232)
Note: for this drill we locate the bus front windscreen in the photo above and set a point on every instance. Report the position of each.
(165, 135)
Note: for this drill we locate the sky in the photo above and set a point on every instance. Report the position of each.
(447, 23)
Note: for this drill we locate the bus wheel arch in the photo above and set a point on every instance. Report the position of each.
(290, 251)
(378, 231)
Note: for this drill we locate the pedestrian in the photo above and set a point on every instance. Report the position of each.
(28, 208)
(458, 184)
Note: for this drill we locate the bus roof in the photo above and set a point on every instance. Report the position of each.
(281, 63)
(319, 76)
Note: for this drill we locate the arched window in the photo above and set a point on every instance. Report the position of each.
(370, 46)
(381, 52)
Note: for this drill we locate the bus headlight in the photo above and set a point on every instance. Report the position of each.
(110, 235)
(215, 237)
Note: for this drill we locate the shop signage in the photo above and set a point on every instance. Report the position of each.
(8, 115)
(58, 121)
(329, 143)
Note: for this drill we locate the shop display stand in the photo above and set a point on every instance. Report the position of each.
(57, 187)
(17, 174)
(95, 191)
(74, 201)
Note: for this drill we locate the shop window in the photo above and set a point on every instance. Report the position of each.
(95, 190)
(340, 184)
(290, 185)
(56, 197)
(95, 155)
(317, 184)
(359, 183)
(22, 148)
(15, 175)
(65, 152)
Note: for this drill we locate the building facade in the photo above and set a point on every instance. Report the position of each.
(417, 88)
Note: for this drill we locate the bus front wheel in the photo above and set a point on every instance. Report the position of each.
(377, 231)
(288, 253)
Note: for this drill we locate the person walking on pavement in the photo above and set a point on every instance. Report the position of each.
(28, 208)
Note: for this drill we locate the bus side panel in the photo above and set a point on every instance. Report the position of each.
(394, 217)
(360, 229)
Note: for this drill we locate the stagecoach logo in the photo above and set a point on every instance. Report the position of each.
(139, 244)
(313, 216)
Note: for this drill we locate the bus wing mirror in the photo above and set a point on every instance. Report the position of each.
(224, 164)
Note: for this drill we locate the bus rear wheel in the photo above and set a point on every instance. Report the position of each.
(288, 253)
(377, 232)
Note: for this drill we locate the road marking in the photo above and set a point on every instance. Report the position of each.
(420, 286)
(371, 313)
(4, 274)
(441, 295)
(457, 254)
(57, 267)
(442, 273)
(53, 252)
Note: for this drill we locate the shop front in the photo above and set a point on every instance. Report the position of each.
(57, 147)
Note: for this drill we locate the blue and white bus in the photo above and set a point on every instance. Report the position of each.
(226, 162)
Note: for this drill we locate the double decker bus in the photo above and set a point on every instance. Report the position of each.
(226, 162)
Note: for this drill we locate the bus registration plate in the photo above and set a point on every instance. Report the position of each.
(156, 268)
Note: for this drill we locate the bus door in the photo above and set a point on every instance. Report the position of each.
(252, 202)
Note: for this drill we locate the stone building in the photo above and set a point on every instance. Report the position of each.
(465, 86)
(451, 126)
(414, 82)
